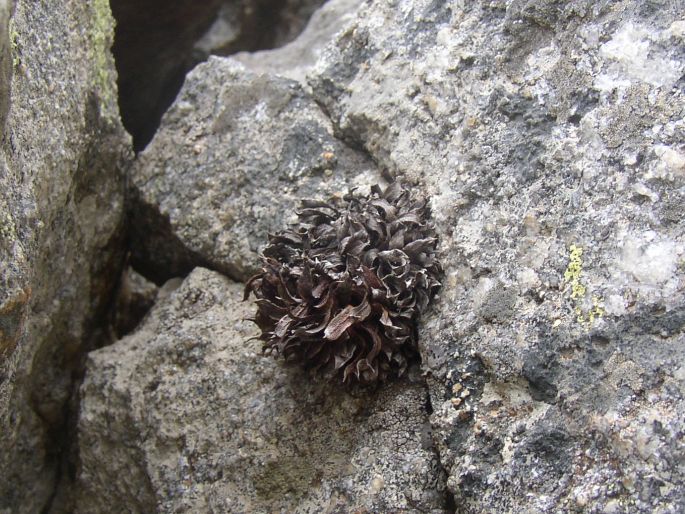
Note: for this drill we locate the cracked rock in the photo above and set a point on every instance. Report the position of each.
(186, 415)
(230, 163)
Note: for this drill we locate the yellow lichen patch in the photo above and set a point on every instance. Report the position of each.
(574, 270)
(573, 277)
(8, 230)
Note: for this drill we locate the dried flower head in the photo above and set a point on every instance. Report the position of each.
(342, 290)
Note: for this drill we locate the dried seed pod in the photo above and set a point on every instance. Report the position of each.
(341, 291)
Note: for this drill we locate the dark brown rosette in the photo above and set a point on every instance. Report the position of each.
(341, 292)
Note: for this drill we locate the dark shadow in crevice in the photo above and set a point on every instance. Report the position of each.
(173, 257)
(135, 297)
(157, 43)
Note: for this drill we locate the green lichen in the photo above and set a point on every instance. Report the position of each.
(573, 272)
(14, 44)
(578, 290)
(101, 37)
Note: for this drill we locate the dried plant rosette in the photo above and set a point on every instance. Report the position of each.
(341, 291)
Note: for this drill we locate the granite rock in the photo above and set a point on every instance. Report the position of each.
(135, 297)
(6, 39)
(61, 228)
(234, 156)
(550, 138)
(187, 415)
(254, 25)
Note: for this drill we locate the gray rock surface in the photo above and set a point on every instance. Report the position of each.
(550, 137)
(186, 415)
(6, 37)
(230, 163)
(134, 298)
(61, 228)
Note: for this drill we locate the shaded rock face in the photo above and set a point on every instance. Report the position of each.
(233, 158)
(135, 296)
(186, 415)
(6, 37)
(158, 42)
(61, 230)
(550, 136)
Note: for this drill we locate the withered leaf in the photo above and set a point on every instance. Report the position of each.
(346, 318)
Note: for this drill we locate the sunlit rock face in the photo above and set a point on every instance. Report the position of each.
(552, 149)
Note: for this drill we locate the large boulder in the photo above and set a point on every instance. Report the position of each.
(550, 136)
(234, 156)
(61, 228)
(187, 415)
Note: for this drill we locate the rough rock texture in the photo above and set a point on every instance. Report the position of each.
(61, 217)
(6, 36)
(230, 163)
(550, 135)
(186, 415)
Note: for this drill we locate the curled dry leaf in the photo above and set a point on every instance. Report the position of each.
(341, 292)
